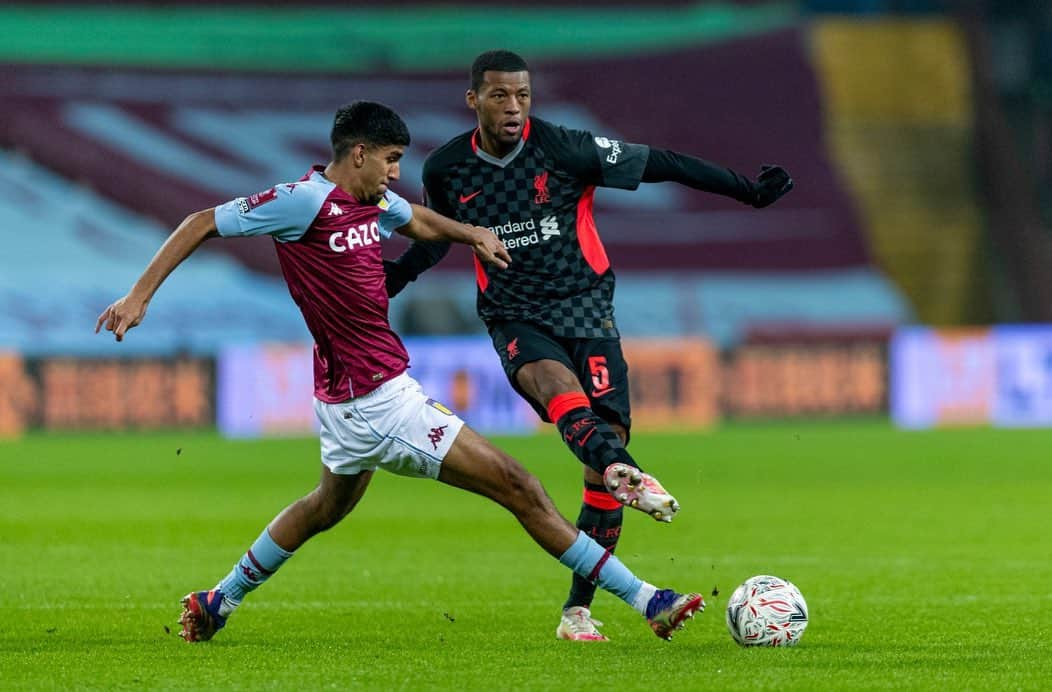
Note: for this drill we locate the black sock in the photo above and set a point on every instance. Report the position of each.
(600, 519)
(593, 441)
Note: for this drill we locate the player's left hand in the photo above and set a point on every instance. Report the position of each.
(772, 183)
(121, 315)
(489, 248)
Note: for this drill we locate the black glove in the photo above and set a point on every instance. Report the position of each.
(395, 278)
(772, 183)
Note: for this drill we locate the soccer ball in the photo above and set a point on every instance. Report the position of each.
(767, 611)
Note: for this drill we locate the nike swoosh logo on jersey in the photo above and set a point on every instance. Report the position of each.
(602, 392)
(464, 199)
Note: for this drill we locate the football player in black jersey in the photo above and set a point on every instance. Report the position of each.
(550, 314)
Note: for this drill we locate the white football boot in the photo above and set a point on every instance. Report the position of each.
(577, 625)
(633, 488)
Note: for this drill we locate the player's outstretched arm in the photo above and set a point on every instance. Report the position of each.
(127, 312)
(671, 166)
(429, 225)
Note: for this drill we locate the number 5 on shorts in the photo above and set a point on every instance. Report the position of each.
(600, 374)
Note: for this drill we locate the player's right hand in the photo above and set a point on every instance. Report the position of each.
(489, 248)
(120, 316)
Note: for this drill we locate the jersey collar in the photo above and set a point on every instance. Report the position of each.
(509, 157)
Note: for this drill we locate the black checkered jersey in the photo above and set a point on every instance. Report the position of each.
(538, 201)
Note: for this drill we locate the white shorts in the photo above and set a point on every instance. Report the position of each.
(395, 427)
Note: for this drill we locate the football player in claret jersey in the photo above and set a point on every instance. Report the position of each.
(327, 229)
(550, 314)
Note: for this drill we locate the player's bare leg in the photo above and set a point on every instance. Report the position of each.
(474, 464)
(205, 612)
(595, 442)
(320, 510)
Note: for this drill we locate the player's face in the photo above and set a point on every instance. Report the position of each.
(380, 168)
(502, 103)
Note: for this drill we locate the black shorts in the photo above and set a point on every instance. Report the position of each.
(598, 363)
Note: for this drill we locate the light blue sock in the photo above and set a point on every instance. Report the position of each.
(583, 556)
(255, 567)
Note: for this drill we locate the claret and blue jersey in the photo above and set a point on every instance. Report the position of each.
(328, 245)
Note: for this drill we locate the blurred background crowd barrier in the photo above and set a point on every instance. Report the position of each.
(906, 275)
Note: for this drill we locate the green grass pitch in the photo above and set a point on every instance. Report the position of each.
(925, 558)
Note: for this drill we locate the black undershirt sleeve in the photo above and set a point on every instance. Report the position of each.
(670, 166)
(420, 256)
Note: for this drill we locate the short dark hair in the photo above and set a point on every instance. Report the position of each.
(497, 61)
(369, 123)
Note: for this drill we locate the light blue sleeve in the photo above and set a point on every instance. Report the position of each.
(284, 211)
(395, 213)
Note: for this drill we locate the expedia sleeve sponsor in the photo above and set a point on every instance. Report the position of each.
(594, 159)
(621, 163)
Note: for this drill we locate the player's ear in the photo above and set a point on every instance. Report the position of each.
(471, 98)
(358, 154)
